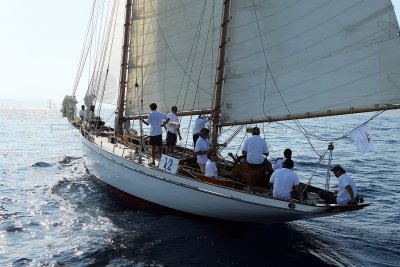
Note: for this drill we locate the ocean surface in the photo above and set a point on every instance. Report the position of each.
(54, 213)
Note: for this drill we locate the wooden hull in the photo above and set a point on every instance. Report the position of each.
(190, 195)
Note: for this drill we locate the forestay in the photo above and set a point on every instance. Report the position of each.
(323, 56)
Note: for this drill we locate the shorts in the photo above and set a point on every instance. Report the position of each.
(156, 140)
(171, 139)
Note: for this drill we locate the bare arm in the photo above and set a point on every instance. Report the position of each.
(145, 122)
(201, 152)
(165, 123)
(352, 199)
(179, 133)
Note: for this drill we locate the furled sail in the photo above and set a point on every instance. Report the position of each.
(174, 49)
(304, 58)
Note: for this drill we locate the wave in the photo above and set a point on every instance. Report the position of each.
(68, 159)
(41, 164)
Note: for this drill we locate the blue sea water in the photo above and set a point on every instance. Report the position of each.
(54, 213)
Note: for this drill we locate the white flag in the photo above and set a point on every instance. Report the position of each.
(362, 139)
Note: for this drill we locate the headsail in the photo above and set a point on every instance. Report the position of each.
(299, 58)
(173, 56)
(105, 79)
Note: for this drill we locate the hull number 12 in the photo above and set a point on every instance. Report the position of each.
(168, 164)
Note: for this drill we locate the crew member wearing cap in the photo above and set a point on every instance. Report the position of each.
(155, 119)
(255, 148)
(347, 189)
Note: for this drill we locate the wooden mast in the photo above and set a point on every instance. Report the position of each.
(220, 73)
(124, 68)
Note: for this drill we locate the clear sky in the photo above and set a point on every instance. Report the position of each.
(40, 46)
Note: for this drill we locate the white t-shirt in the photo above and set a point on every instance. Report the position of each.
(343, 195)
(175, 120)
(211, 169)
(255, 147)
(278, 164)
(155, 120)
(283, 180)
(199, 124)
(202, 145)
(82, 113)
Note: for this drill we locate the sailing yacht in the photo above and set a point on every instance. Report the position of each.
(245, 63)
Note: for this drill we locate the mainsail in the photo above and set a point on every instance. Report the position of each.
(284, 59)
(300, 58)
(174, 49)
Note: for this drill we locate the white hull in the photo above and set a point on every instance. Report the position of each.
(191, 196)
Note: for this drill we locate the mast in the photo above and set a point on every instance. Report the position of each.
(220, 73)
(124, 68)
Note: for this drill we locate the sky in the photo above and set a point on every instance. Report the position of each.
(41, 45)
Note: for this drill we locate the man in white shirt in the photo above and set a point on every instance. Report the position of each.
(255, 148)
(82, 113)
(155, 120)
(346, 195)
(199, 124)
(172, 129)
(279, 161)
(284, 180)
(211, 166)
(201, 148)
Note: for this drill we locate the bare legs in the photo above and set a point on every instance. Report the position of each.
(153, 153)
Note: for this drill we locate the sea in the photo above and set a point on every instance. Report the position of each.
(53, 212)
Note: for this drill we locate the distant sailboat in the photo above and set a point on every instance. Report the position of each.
(52, 105)
(268, 61)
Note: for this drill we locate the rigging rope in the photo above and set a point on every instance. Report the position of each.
(197, 93)
(84, 52)
(195, 44)
(300, 127)
(268, 68)
(115, 9)
(377, 113)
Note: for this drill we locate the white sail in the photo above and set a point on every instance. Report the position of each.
(105, 81)
(174, 50)
(323, 56)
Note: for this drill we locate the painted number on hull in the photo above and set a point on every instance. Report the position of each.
(168, 164)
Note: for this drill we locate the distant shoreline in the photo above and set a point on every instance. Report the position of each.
(28, 103)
